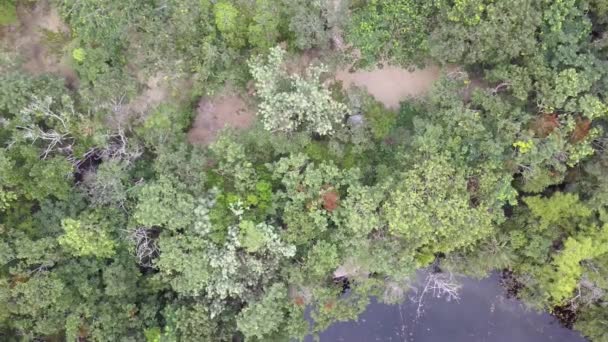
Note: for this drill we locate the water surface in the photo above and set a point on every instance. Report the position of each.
(481, 314)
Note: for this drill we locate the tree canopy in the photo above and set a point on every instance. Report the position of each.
(114, 226)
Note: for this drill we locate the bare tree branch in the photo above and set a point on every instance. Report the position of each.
(437, 285)
(146, 248)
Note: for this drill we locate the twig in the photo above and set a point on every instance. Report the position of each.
(438, 285)
(146, 248)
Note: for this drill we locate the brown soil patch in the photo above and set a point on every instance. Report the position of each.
(156, 91)
(331, 200)
(216, 113)
(391, 85)
(545, 124)
(583, 126)
(28, 38)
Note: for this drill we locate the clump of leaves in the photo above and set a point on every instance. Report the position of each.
(79, 55)
(87, 237)
(292, 102)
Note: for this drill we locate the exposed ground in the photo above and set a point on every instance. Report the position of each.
(156, 91)
(217, 112)
(39, 33)
(36, 38)
(391, 85)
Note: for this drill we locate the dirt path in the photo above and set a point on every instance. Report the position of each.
(29, 38)
(391, 85)
(216, 113)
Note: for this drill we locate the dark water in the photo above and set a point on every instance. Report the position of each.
(481, 314)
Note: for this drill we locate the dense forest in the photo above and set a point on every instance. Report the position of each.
(117, 223)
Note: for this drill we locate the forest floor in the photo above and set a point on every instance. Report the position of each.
(37, 37)
(229, 108)
(391, 85)
(40, 35)
(216, 112)
(156, 90)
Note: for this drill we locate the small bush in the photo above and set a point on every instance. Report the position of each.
(381, 120)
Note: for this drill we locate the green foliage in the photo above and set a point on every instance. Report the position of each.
(565, 270)
(381, 120)
(332, 309)
(567, 84)
(592, 323)
(523, 146)
(17, 90)
(557, 12)
(114, 228)
(263, 31)
(107, 186)
(358, 212)
(292, 102)
(251, 237)
(227, 19)
(158, 203)
(561, 207)
(263, 318)
(6, 197)
(87, 237)
(431, 207)
(8, 12)
(195, 266)
(153, 334)
(466, 31)
(38, 299)
(323, 259)
(304, 206)
(53, 176)
(186, 267)
(164, 124)
(195, 323)
(395, 31)
(184, 162)
(79, 55)
(318, 151)
(309, 22)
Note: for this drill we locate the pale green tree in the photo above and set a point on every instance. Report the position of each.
(292, 102)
